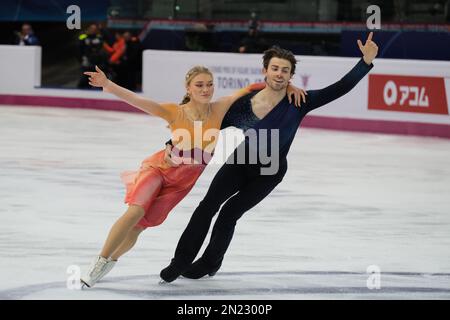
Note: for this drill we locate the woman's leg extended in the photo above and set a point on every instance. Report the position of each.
(128, 243)
(144, 193)
(120, 236)
(121, 228)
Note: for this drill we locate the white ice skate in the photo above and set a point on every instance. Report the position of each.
(99, 268)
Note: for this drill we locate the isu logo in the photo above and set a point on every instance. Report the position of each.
(407, 94)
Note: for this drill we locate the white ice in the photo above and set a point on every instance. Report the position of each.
(348, 201)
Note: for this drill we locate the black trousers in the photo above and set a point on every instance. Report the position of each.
(239, 187)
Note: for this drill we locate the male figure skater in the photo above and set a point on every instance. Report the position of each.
(239, 187)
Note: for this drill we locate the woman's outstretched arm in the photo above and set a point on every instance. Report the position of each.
(99, 79)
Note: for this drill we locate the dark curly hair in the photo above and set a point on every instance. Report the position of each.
(277, 52)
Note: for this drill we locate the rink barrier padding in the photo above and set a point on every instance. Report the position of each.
(311, 121)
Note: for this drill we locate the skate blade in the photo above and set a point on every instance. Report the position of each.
(84, 285)
(162, 282)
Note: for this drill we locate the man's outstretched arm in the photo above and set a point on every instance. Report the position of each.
(318, 98)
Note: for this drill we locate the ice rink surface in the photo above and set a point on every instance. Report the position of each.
(349, 202)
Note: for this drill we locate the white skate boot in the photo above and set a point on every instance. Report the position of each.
(99, 268)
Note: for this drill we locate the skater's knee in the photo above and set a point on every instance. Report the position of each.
(226, 220)
(208, 206)
(135, 212)
(225, 224)
(136, 231)
(232, 211)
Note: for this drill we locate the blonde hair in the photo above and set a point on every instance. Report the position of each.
(191, 74)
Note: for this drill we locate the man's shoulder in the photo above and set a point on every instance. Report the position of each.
(245, 98)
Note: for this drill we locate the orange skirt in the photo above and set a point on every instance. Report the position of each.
(158, 188)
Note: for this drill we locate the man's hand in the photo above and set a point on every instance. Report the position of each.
(299, 94)
(369, 49)
(167, 157)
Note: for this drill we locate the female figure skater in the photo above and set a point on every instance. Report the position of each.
(156, 187)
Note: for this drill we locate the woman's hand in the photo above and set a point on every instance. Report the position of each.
(98, 78)
(167, 158)
(299, 94)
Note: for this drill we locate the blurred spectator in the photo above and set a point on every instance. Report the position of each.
(117, 51)
(26, 36)
(91, 53)
(251, 43)
(117, 59)
(132, 60)
(107, 36)
(254, 21)
(198, 37)
(193, 41)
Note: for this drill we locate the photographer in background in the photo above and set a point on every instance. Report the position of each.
(26, 36)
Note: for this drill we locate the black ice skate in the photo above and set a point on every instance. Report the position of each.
(199, 269)
(171, 272)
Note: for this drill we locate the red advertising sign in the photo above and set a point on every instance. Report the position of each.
(407, 94)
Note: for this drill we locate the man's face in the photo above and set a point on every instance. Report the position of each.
(278, 73)
(92, 30)
(26, 29)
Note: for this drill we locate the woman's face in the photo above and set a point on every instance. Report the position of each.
(201, 88)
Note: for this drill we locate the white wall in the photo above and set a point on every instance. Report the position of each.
(20, 74)
(164, 71)
(20, 68)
